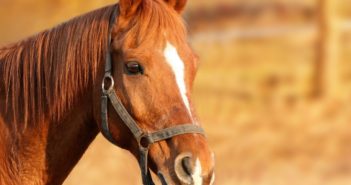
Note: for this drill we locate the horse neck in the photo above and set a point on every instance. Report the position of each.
(67, 141)
(45, 154)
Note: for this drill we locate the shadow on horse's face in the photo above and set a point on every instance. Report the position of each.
(154, 69)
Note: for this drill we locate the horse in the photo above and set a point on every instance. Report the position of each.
(124, 70)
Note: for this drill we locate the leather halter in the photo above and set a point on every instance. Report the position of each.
(143, 138)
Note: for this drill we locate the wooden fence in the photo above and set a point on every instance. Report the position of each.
(326, 30)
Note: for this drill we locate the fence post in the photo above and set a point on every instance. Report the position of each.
(327, 79)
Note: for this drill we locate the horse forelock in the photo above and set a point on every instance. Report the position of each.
(153, 24)
(44, 75)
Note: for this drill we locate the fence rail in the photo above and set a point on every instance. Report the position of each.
(230, 34)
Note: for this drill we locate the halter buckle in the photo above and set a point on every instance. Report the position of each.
(107, 79)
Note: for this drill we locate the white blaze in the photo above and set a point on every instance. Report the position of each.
(177, 65)
(212, 179)
(213, 175)
(197, 178)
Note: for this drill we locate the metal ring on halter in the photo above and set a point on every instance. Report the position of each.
(144, 141)
(107, 77)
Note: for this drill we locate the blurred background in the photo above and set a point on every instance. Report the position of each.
(273, 90)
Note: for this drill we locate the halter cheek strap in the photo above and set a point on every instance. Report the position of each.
(143, 138)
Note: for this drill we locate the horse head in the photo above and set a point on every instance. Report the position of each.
(153, 70)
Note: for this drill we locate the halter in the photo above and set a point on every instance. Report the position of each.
(144, 138)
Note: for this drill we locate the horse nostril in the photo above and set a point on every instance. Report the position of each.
(187, 165)
(184, 168)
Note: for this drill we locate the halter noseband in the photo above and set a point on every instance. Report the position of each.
(143, 138)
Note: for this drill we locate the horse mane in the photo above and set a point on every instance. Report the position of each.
(53, 67)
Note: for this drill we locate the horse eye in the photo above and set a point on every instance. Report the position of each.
(134, 68)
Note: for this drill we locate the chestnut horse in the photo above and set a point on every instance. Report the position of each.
(50, 95)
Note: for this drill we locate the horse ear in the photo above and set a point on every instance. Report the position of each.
(128, 8)
(178, 5)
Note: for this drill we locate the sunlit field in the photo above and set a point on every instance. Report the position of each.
(255, 96)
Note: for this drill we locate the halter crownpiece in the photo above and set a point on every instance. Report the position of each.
(143, 138)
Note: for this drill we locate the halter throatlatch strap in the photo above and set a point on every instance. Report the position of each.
(144, 139)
